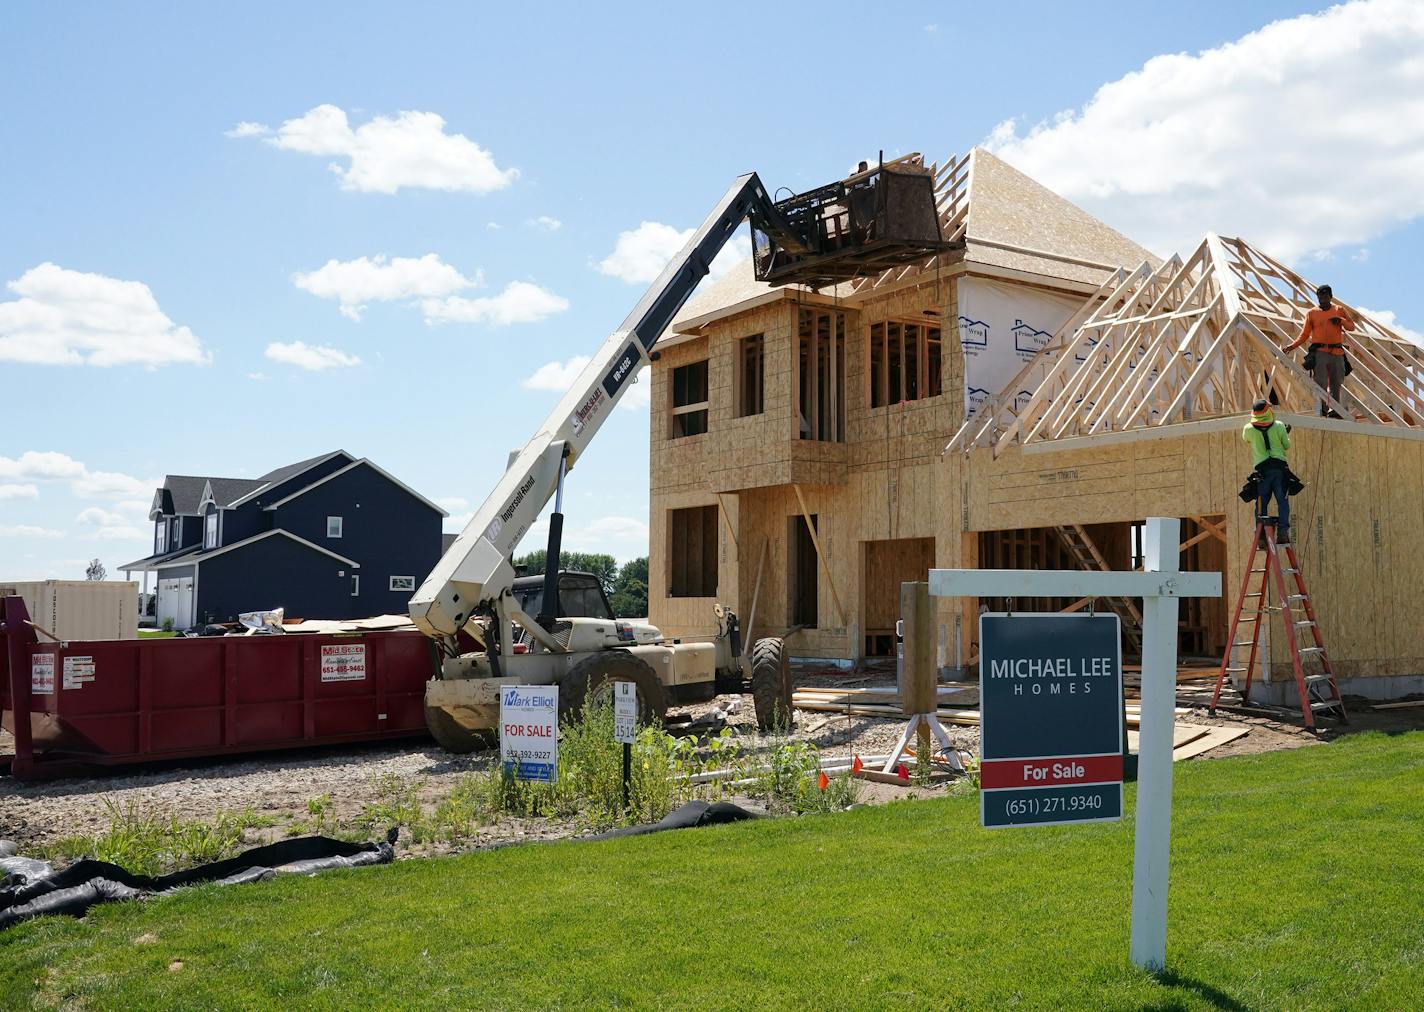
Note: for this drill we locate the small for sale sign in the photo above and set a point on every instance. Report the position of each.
(529, 731)
(344, 662)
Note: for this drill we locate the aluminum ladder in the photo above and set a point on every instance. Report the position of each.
(1318, 693)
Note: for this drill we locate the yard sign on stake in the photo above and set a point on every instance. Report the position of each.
(1051, 728)
(1159, 585)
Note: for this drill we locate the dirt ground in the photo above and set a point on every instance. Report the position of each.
(278, 787)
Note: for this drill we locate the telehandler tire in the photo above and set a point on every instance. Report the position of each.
(771, 684)
(591, 680)
(453, 736)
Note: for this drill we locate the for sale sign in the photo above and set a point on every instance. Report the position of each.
(529, 731)
(344, 662)
(1050, 690)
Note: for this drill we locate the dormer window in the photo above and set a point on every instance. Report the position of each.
(160, 536)
(210, 530)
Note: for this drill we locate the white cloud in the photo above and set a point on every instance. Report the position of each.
(640, 254)
(1386, 317)
(112, 485)
(616, 528)
(28, 531)
(314, 357)
(546, 223)
(931, 29)
(122, 534)
(639, 395)
(1303, 136)
(248, 129)
(410, 149)
(96, 517)
(65, 317)
(456, 524)
(354, 283)
(41, 466)
(556, 376)
(493, 226)
(258, 376)
(560, 376)
(520, 302)
(453, 503)
(47, 466)
(19, 492)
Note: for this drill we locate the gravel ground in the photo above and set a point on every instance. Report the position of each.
(278, 787)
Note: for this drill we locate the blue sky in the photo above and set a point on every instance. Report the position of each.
(565, 127)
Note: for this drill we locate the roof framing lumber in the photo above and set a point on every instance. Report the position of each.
(1194, 339)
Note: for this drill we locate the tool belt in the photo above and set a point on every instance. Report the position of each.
(1309, 361)
(1251, 490)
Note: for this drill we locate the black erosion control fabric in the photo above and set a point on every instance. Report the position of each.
(32, 888)
(689, 816)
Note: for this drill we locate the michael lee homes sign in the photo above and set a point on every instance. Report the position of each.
(1051, 707)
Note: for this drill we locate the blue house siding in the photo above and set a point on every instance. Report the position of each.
(245, 521)
(388, 530)
(275, 572)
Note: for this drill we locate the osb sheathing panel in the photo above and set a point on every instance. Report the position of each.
(1358, 537)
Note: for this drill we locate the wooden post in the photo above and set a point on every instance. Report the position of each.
(917, 614)
(919, 693)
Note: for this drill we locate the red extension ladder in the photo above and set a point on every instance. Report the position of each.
(1318, 692)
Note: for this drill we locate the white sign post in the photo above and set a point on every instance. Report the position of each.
(1159, 585)
(529, 731)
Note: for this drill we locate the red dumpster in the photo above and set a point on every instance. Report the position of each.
(123, 701)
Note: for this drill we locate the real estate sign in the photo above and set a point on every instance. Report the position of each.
(529, 731)
(1051, 708)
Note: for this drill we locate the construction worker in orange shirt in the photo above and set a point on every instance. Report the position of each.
(1325, 328)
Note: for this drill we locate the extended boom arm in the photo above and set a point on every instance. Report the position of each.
(476, 574)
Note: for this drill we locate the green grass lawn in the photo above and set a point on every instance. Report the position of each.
(156, 634)
(1297, 882)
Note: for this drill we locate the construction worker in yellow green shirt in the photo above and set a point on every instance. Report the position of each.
(1269, 440)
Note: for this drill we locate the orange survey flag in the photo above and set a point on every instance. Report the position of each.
(857, 766)
(824, 781)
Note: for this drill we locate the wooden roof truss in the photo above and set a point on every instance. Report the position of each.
(1195, 338)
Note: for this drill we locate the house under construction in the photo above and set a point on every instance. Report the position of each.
(1025, 398)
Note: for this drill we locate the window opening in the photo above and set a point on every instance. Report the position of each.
(750, 375)
(692, 552)
(906, 362)
(801, 565)
(820, 376)
(689, 399)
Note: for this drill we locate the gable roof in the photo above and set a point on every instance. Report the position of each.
(1194, 339)
(351, 466)
(199, 555)
(1001, 217)
(281, 474)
